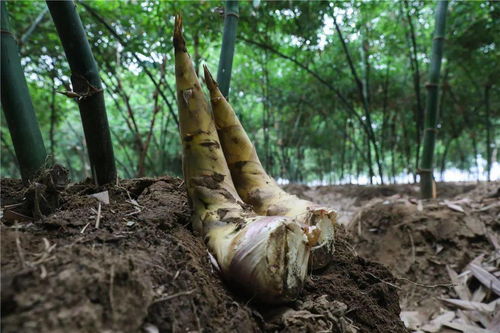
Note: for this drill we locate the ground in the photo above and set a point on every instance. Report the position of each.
(424, 244)
(134, 265)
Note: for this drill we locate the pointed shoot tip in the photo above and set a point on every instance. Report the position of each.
(209, 80)
(179, 42)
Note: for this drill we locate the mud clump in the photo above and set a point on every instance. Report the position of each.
(368, 289)
(142, 269)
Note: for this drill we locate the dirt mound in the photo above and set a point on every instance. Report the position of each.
(421, 241)
(133, 265)
(363, 193)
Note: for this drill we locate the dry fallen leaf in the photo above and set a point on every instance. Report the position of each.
(486, 278)
(435, 324)
(413, 319)
(454, 206)
(468, 305)
(467, 328)
(459, 284)
(101, 196)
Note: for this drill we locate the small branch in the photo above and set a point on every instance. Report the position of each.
(166, 298)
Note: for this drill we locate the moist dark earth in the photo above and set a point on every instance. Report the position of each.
(134, 265)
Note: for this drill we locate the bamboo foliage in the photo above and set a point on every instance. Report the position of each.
(431, 116)
(87, 89)
(228, 44)
(18, 107)
(305, 101)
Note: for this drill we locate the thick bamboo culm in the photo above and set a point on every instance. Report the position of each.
(231, 13)
(18, 107)
(87, 89)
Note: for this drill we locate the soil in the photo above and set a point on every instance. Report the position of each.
(134, 265)
(419, 241)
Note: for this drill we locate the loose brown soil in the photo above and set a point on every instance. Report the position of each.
(417, 241)
(142, 270)
(421, 241)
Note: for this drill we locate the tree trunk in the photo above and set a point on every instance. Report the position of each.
(265, 111)
(18, 107)
(426, 174)
(416, 84)
(53, 119)
(385, 114)
(156, 108)
(364, 98)
(88, 89)
(488, 130)
(343, 151)
(443, 160)
(370, 168)
(393, 141)
(476, 161)
(405, 156)
(231, 15)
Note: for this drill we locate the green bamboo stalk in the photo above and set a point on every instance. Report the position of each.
(18, 107)
(87, 89)
(231, 13)
(431, 116)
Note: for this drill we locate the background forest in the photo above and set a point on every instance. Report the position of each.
(330, 92)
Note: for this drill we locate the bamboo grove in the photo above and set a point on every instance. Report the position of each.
(328, 91)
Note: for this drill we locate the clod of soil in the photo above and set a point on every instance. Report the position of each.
(142, 269)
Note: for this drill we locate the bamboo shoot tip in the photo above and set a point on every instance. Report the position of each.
(179, 42)
(209, 80)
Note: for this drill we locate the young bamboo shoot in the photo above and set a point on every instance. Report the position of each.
(267, 256)
(257, 188)
(250, 250)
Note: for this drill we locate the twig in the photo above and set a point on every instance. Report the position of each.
(166, 298)
(98, 217)
(447, 285)
(383, 281)
(84, 228)
(20, 249)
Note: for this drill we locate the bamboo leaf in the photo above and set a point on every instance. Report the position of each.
(486, 278)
